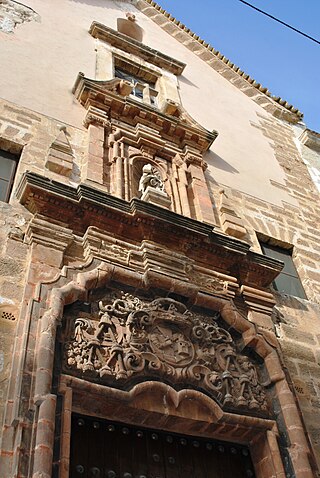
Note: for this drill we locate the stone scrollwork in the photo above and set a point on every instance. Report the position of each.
(137, 340)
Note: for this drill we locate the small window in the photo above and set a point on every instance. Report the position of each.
(142, 90)
(8, 164)
(288, 281)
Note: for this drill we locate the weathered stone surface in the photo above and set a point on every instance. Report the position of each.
(13, 14)
(76, 228)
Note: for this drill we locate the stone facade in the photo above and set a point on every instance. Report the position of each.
(132, 281)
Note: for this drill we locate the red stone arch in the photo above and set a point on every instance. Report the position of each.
(174, 408)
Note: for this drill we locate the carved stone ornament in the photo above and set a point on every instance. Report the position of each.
(150, 178)
(134, 340)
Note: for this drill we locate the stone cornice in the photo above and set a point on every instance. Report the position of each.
(311, 139)
(138, 220)
(127, 44)
(110, 97)
(275, 105)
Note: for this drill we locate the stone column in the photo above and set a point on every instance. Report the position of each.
(43, 452)
(47, 244)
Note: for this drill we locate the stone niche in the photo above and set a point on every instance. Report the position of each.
(120, 338)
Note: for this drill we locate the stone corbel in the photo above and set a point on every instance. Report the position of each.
(96, 117)
(49, 241)
(194, 158)
(102, 246)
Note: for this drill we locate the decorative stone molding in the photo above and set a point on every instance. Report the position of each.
(100, 245)
(15, 13)
(86, 206)
(111, 97)
(56, 236)
(193, 157)
(213, 282)
(129, 45)
(129, 27)
(258, 300)
(135, 338)
(150, 399)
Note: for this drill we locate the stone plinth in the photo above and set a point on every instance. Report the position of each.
(155, 196)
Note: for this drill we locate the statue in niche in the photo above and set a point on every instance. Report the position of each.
(150, 178)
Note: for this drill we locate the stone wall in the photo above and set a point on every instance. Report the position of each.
(34, 254)
(29, 136)
(13, 265)
(297, 321)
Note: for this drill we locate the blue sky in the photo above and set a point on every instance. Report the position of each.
(278, 58)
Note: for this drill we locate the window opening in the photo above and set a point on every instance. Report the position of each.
(8, 165)
(142, 90)
(288, 281)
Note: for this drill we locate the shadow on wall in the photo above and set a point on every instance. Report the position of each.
(216, 161)
(291, 302)
(212, 186)
(183, 79)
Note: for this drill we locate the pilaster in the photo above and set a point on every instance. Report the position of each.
(96, 122)
(201, 197)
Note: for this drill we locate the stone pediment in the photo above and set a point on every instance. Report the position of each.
(134, 47)
(132, 339)
(171, 121)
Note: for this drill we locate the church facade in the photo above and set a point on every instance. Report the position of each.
(159, 255)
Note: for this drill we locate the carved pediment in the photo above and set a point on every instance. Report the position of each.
(131, 340)
(171, 121)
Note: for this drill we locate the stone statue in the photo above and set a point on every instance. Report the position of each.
(150, 178)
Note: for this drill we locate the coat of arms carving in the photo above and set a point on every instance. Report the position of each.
(134, 340)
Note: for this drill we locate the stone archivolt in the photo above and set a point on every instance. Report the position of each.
(135, 340)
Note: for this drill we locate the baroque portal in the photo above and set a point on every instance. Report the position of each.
(129, 339)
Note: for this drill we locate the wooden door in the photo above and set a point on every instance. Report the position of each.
(103, 449)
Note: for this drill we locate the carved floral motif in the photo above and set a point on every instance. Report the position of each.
(162, 339)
